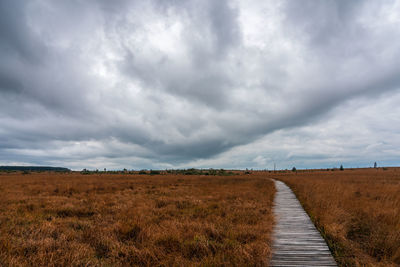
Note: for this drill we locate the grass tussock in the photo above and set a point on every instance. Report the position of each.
(358, 211)
(72, 219)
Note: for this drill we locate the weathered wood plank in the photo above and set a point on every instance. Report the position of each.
(296, 240)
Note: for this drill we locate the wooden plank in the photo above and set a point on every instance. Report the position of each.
(296, 240)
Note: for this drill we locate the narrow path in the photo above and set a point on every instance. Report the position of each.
(296, 240)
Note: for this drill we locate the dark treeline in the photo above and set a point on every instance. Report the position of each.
(190, 171)
(33, 168)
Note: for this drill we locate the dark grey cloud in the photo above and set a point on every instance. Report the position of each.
(194, 83)
(17, 40)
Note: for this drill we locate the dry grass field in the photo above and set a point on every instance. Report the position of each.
(71, 219)
(357, 210)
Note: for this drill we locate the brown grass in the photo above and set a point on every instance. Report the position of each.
(52, 219)
(357, 210)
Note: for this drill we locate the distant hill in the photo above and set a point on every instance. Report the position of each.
(33, 168)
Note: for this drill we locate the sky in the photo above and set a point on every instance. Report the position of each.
(163, 84)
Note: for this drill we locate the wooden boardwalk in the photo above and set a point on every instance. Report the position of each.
(296, 240)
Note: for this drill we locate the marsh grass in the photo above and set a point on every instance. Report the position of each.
(72, 219)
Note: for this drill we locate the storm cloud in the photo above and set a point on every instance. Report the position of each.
(172, 84)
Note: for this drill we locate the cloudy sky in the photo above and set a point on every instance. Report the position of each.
(199, 83)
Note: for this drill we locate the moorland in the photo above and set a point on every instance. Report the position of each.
(120, 219)
(191, 218)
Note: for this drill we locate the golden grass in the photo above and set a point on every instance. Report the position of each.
(357, 210)
(53, 219)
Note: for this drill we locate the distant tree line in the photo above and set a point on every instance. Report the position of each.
(33, 168)
(191, 171)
